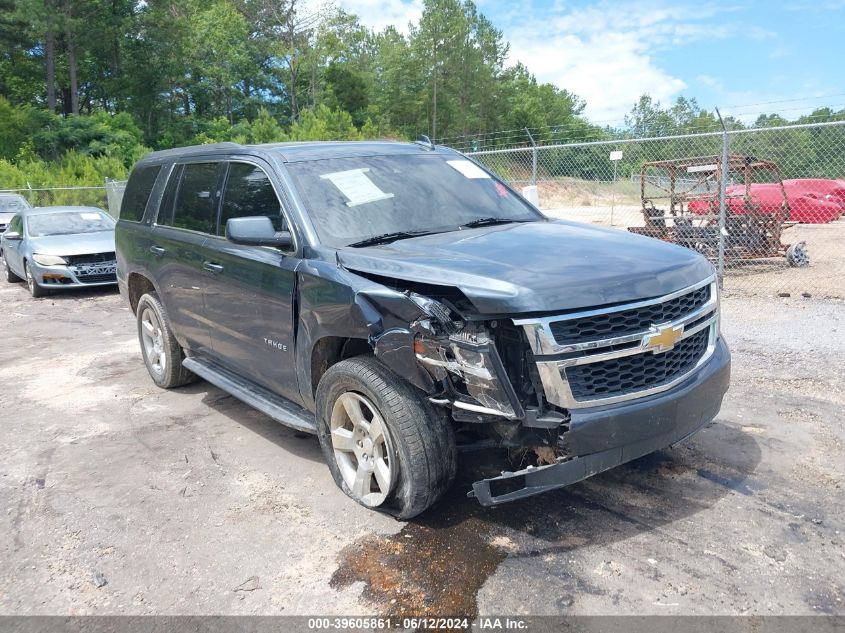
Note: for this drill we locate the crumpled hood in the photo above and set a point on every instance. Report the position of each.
(79, 244)
(536, 267)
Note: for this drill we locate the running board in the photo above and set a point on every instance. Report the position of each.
(278, 408)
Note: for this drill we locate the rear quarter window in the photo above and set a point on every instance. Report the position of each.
(137, 193)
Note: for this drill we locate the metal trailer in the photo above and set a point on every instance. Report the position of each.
(681, 204)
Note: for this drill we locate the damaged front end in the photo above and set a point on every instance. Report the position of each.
(480, 371)
(500, 380)
(463, 358)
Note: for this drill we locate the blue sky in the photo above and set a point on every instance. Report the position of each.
(744, 57)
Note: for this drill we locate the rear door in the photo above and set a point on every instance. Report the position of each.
(187, 217)
(250, 289)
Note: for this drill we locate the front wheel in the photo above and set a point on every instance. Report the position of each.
(385, 445)
(162, 353)
(34, 289)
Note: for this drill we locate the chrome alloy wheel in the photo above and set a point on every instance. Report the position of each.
(152, 339)
(30, 280)
(362, 449)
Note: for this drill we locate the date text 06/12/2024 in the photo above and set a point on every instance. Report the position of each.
(410, 623)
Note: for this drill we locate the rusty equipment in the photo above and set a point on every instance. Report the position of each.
(680, 204)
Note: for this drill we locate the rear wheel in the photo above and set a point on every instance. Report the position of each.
(162, 353)
(385, 445)
(34, 289)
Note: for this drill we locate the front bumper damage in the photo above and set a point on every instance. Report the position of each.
(472, 368)
(601, 438)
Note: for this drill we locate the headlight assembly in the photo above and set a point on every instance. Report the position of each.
(49, 260)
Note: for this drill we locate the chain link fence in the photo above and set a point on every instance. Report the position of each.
(94, 196)
(107, 197)
(773, 224)
(114, 195)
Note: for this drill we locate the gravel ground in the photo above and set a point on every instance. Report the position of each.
(120, 498)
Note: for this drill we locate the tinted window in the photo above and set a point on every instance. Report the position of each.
(248, 192)
(137, 193)
(195, 199)
(15, 225)
(165, 211)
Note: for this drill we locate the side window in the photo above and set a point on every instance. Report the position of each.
(165, 209)
(137, 192)
(195, 207)
(15, 225)
(248, 192)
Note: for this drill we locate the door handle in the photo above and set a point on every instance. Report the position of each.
(212, 267)
(157, 250)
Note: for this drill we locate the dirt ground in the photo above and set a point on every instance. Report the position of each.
(119, 498)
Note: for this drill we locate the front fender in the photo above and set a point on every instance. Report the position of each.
(336, 303)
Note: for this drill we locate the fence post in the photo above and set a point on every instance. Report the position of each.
(533, 158)
(723, 186)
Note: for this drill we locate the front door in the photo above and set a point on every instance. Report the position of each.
(250, 289)
(12, 248)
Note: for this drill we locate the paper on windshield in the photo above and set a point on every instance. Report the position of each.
(356, 186)
(468, 169)
(90, 216)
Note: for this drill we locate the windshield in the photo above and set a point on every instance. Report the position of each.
(12, 204)
(64, 223)
(351, 200)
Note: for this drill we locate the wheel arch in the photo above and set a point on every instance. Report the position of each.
(137, 285)
(330, 350)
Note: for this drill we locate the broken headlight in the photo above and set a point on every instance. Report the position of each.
(469, 360)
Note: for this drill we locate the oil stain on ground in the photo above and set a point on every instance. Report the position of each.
(438, 563)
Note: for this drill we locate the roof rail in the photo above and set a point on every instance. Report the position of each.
(193, 149)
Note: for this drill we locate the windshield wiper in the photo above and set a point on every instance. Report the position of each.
(386, 238)
(488, 222)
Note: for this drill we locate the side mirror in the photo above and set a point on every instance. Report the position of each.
(12, 236)
(256, 231)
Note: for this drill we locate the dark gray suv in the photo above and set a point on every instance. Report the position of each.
(405, 305)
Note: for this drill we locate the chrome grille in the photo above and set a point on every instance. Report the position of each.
(610, 324)
(630, 374)
(617, 353)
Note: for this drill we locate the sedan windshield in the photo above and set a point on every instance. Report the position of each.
(12, 204)
(67, 223)
(357, 201)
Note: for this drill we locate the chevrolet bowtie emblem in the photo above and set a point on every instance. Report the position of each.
(662, 337)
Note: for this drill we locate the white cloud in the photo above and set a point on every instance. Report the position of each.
(378, 14)
(609, 71)
(604, 53)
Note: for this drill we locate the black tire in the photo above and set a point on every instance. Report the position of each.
(422, 437)
(170, 373)
(11, 277)
(34, 289)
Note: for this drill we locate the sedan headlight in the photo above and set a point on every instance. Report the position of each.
(49, 260)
